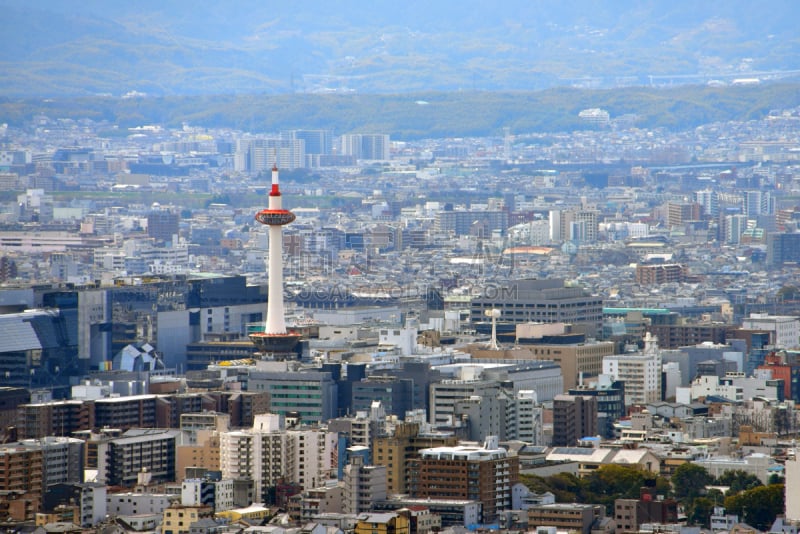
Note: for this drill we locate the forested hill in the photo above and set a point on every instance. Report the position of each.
(421, 115)
(56, 48)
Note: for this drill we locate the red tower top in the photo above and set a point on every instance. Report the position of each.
(275, 192)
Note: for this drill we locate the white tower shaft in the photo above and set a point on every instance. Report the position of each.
(276, 322)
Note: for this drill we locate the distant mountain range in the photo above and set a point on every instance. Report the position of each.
(54, 48)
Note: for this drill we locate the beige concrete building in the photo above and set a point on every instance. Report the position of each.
(573, 358)
(397, 450)
(178, 518)
(204, 453)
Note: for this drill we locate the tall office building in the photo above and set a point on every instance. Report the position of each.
(783, 249)
(574, 417)
(755, 203)
(365, 146)
(260, 155)
(316, 141)
(640, 373)
(542, 301)
(162, 224)
(580, 225)
(312, 395)
(709, 201)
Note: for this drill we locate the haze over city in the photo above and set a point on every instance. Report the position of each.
(399, 268)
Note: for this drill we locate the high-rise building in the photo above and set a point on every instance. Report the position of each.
(580, 225)
(640, 373)
(203, 453)
(574, 418)
(543, 301)
(679, 213)
(783, 249)
(755, 203)
(366, 146)
(259, 155)
(463, 222)
(364, 485)
(398, 449)
(311, 395)
(709, 201)
(162, 224)
(610, 397)
(446, 394)
(484, 474)
(269, 454)
(120, 460)
(316, 141)
(524, 418)
(734, 227)
(31, 465)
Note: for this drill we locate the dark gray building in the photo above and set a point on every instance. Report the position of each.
(544, 301)
(312, 395)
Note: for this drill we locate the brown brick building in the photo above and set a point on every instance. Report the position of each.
(484, 474)
(396, 451)
(660, 273)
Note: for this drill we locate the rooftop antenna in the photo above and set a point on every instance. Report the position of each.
(494, 313)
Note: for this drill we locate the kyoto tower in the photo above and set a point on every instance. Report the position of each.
(275, 339)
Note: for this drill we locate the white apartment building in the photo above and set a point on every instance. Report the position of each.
(130, 503)
(196, 492)
(364, 485)
(708, 386)
(268, 452)
(785, 329)
(641, 373)
(524, 418)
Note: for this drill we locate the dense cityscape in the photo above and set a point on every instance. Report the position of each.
(592, 332)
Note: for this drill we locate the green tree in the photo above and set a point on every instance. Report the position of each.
(738, 481)
(611, 482)
(758, 507)
(699, 513)
(715, 496)
(774, 478)
(689, 481)
(565, 486)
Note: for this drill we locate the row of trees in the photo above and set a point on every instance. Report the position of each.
(746, 496)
